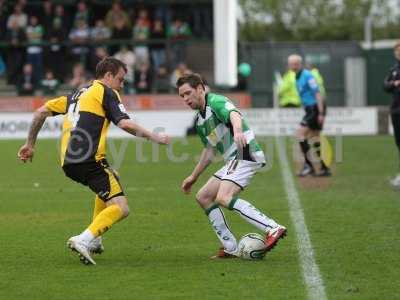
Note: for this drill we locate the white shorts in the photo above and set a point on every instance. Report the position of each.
(239, 172)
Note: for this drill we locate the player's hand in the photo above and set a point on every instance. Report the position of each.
(162, 139)
(26, 153)
(240, 140)
(321, 119)
(187, 184)
(396, 83)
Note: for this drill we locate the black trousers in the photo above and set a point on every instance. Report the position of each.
(396, 128)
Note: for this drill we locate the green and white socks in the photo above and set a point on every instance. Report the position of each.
(246, 211)
(252, 214)
(218, 222)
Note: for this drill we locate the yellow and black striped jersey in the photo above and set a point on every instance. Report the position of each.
(88, 113)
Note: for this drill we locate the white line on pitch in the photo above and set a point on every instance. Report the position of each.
(312, 276)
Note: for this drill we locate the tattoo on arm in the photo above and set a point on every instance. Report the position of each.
(35, 127)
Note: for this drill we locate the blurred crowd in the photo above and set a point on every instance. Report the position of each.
(49, 44)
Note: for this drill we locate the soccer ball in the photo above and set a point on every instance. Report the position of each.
(252, 246)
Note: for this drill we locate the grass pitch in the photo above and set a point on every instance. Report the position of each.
(161, 251)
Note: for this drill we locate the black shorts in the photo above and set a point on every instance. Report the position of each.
(100, 178)
(310, 119)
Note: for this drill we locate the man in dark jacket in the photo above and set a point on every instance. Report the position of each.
(392, 85)
(27, 82)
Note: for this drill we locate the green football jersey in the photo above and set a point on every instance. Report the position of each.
(214, 127)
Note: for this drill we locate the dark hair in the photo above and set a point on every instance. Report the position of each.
(109, 64)
(193, 79)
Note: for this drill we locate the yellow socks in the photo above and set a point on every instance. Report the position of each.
(105, 219)
(99, 205)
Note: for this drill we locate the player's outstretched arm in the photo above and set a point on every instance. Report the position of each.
(206, 158)
(26, 151)
(137, 130)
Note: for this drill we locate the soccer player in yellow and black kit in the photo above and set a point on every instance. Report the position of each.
(88, 113)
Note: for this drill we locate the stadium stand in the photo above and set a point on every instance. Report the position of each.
(57, 36)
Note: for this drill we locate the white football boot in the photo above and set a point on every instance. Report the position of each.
(76, 244)
(395, 182)
(96, 246)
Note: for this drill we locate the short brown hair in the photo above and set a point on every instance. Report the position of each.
(193, 79)
(109, 64)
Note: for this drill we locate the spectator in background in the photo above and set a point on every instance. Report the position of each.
(79, 36)
(2, 66)
(158, 48)
(162, 80)
(3, 18)
(99, 54)
(79, 77)
(141, 30)
(179, 71)
(120, 31)
(46, 17)
(141, 33)
(179, 32)
(100, 32)
(143, 15)
(19, 16)
(27, 83)
(162, 12)
(60, 17)
(287, 91)
(391, 85)
(115, 14)
(16, 53)
(82, 13)
(49, 84)
(22, 3)
(128, 57)
(143, 78)
(34, 34)
(202, 20)
(55, 50)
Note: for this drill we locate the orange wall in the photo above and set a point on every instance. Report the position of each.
(131, 102)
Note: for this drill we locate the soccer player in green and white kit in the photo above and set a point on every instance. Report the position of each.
(222, 128)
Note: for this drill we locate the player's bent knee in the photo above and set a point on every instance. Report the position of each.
(122, 203)
(203, 199)
(125, 212)
(223, 199)
(124, 208)
(200, 197)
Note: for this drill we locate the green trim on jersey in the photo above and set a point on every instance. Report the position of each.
(215, 129)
